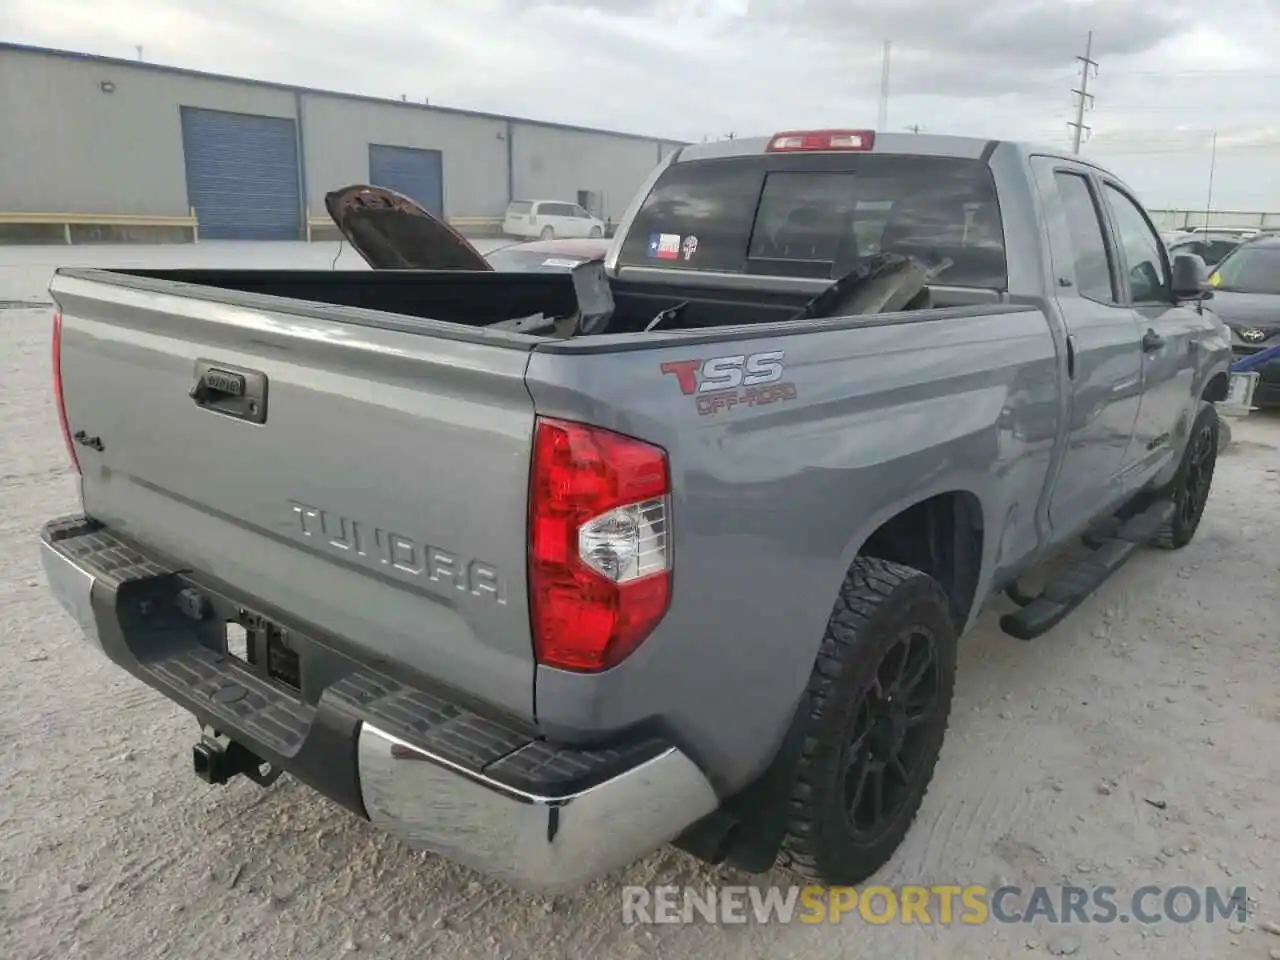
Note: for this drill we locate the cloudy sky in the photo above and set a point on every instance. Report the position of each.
(1169, 72)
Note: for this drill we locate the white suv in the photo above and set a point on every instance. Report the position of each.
(548, 219)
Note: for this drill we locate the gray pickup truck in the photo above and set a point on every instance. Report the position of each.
(542, 571)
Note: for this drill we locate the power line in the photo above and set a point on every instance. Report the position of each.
(1085, 98)
(882, 121)
(1183, 149)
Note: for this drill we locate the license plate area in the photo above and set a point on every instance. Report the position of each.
(1241, 390)
(266, 648)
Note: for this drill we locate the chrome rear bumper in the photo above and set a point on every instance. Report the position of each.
(532, 842)
(536, 816)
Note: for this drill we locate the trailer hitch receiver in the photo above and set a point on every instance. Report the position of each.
(217, 759)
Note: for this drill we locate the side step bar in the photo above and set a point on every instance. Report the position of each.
(1069, 589)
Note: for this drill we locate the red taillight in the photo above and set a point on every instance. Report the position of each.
(797, 140)
(599, 544)
(57, 389)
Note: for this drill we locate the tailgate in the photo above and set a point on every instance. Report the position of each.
(382, 497)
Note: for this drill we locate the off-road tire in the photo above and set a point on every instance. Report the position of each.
(879, 603)
(548, 233)
(1197, 465)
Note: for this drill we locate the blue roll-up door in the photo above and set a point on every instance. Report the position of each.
(418, 174)
(242, 175)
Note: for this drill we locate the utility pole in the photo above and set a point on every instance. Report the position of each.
(883, 119)
(1213, 162)
(139, 49)
(1083, 97)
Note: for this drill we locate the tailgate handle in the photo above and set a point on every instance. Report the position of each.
(231, 391)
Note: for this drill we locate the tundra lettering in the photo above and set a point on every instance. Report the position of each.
(399, 552)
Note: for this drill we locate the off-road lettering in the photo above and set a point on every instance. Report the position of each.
(719, 381)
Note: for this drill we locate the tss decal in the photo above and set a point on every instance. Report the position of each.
(722, 383)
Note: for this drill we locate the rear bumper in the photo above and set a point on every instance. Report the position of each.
(418, 762)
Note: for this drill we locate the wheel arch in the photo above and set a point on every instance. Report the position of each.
(1217, 388)
(943, 534)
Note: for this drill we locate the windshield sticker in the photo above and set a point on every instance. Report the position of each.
(560, 263)
(690, 246)
(664, 246)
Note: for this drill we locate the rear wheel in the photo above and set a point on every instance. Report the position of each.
(547, 234)
(881, 693)
(596, 233)
(1190, 487)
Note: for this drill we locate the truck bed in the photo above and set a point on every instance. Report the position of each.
(475, 300)
(384, 499)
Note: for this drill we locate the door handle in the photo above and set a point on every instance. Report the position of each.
(1151, 342)
(230, 391)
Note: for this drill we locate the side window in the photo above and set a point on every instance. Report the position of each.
(1088, 241)
(1148, 279)
(581, 214)
(1217, 250)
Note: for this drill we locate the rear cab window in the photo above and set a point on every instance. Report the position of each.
(820, 215)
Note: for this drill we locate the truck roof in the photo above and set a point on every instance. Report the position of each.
(920, 144)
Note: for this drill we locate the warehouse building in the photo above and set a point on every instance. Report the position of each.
(101, 148)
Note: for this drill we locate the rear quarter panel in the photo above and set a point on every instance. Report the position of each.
(772, 502)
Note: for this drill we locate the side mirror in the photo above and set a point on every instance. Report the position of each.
(1189, 277)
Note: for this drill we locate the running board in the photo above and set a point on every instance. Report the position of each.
(1069, 589)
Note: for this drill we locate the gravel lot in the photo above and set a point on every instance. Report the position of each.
(1161, 688)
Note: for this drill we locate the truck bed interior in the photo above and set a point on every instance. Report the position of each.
(477, 299)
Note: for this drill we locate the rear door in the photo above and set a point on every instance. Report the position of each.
(584, 222)
(1104, 355)
(1168, 332)
(564, 221)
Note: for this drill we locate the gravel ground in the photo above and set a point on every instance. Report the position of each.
(1161, 688)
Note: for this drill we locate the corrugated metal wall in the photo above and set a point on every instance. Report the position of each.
(85, 136)
(338, 133)
(92, 135)
(551, 164)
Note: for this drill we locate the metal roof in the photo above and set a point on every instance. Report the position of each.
(385, 101)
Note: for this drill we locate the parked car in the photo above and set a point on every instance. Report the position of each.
(1210, 246)
(1246, 287)
(541, 256)
(548, 219)
(1236, 231)
(542, 600)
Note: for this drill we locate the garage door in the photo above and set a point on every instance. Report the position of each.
(418, 174)
(242, 175)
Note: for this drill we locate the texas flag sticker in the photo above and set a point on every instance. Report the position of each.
(664, 246)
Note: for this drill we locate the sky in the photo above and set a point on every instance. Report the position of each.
(1170, 72)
